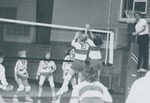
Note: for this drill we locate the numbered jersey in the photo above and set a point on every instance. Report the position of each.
(81, 50)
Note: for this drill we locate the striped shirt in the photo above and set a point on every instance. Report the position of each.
(81, 50)
(95, 52)
(86, 89)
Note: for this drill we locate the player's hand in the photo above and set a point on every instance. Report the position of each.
(134, 33)
(37, 77)
(9, 88)
(87, 26)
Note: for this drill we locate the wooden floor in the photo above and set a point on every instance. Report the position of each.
(46, 96)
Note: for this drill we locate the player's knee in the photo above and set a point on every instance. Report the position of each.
(40, 83)
(21, 88)
(52, 84)
(27, 88)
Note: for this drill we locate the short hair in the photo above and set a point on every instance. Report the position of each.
(48, 52)
(21, 52)
(97, 40)
(91, 74)
(67, 52)
(83, 37)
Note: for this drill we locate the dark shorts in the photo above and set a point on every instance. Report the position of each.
(78, 65)
(96, 64)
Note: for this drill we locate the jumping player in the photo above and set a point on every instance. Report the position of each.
(21, 76)
(95, 56)
(90, 90)
(45, 70)
(81, 46)
(4, 84)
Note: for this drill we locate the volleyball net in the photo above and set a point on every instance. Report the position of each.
(18, 31)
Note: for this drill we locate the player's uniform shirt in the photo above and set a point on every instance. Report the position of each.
(81, 50)
(95, 52)
(46, 67)
(89, 90)
(67, 64)
(3, 76)
(21, 69)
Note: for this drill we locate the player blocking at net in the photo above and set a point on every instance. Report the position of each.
(4, 84)
(82, 47)
(95, 42)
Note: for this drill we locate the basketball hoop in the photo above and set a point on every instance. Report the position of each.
(130, 16)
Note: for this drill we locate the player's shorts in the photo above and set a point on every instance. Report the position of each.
(78, 65)
(91, 100)
(46, 74)
(22, 77)
(96, 64)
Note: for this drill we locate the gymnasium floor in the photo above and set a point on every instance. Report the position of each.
(46, 96)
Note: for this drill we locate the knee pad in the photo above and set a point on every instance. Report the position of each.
(27, 88)
(21, 88)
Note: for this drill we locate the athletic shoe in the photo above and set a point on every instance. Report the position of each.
(29, 99)
(61, 91)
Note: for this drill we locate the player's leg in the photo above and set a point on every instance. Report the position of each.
(79, 77)
(1, 99)
(27, 90)
(64, 87)
(73, 81)
(20, 89)
(51, 82)
(41, 82)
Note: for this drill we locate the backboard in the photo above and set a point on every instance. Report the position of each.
(134, 5)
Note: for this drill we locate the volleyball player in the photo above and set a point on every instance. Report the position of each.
(21, 76)
(81, 46)
(67, 64)
(4, 84)
(45, 70)
(95, 56)
(90, 90)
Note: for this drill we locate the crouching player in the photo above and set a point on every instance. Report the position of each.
(90, 90)
(21, 76)
(4, 84)
(45, 70)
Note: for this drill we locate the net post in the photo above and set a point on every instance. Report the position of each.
(111, 48)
